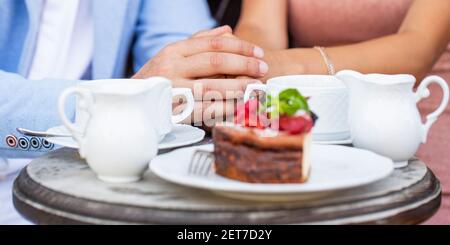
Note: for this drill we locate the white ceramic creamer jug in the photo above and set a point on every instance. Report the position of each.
(122, 125)
(383, 112)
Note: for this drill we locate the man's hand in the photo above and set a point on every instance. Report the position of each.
(215, 65)
(208, 54)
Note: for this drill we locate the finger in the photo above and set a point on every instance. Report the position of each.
(242, 77)
(216, 89)
(220, 89)
(210, 63)
(209, 112)
(221, 30)
(230, 35)
(217, 44)
(217, 111)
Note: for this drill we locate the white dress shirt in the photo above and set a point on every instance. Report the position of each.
(65, 40)
(63, 51)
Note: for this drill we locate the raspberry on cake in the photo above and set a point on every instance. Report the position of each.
(266, 143)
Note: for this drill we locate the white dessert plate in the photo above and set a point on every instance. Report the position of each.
(181, 135)
(333, 142)
(340, 138)
(333, 168)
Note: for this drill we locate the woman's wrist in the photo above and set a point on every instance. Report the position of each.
(326, 60)
(295, 61)
(312, 61)
(279, 64)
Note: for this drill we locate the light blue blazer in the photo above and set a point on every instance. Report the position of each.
(124, 31)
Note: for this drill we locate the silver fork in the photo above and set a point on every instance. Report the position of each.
(201, 163)
(28, 132)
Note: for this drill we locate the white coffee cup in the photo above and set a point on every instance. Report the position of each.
(121, 122)
(161, 113)
(328, 99)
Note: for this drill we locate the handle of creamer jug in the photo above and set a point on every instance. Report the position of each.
(423, 92)
(84, 103)
(186, 92)
(253, 87)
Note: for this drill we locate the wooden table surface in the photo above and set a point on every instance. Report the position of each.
(59, 188)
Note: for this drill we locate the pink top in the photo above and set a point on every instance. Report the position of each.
(334, 22)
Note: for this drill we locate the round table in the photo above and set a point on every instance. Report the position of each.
(59, 188)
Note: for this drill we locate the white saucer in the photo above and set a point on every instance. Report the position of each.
(333, 142)
(181, 135)
(333, 168)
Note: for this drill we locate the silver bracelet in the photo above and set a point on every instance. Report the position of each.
(327, 60)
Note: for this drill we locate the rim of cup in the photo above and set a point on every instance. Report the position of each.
(108, 86)
(316, 82)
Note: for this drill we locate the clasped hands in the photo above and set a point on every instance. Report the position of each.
(217, 67)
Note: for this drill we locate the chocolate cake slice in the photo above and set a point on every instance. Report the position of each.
(268, 142)
(261, 155)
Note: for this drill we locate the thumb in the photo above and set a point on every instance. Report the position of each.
(214, 32)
